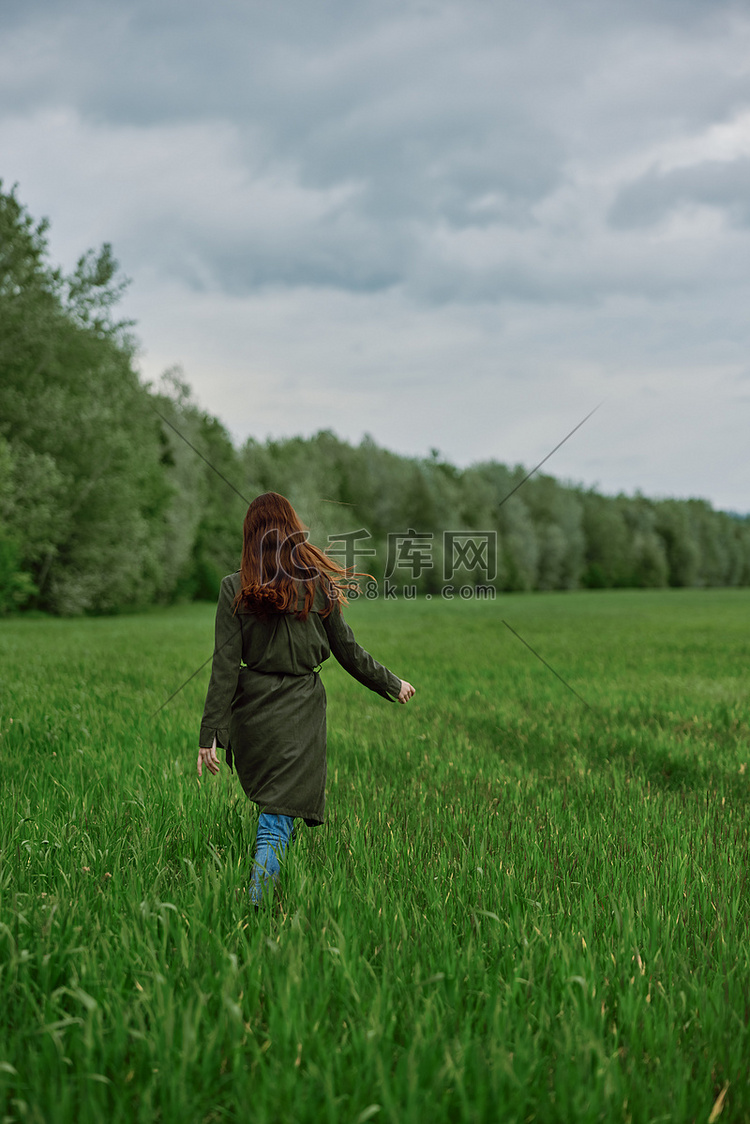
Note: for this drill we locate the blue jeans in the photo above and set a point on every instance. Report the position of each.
(273, 838)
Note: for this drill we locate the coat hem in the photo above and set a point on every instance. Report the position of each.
(310, 818)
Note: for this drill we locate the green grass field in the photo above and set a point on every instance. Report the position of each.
(519, 908)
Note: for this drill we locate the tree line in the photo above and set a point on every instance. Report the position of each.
(105, 507)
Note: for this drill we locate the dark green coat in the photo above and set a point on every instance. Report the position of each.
(270, 715)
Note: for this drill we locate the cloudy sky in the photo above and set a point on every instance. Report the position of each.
(451, 224)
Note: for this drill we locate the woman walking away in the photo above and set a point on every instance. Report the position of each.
(277, 620)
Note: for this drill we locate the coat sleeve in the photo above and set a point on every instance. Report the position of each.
(354, 659)
(224, 671)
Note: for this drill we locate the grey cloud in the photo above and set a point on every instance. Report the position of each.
(406, 100)
(425, 122)
(293, 68)
(328, 257)
(649, 199)
(402, 194)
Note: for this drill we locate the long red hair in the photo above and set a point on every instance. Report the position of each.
(277, 558)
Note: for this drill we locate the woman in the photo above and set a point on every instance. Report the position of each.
(278, 618)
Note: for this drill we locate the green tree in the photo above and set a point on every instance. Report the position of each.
(673, 523)
(16, 586)
(557, 515)
(608, 558)
(104, 504)
(650, 566)
(87, 491)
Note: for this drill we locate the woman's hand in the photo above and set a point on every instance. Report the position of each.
(406, 691)
(208, 758)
